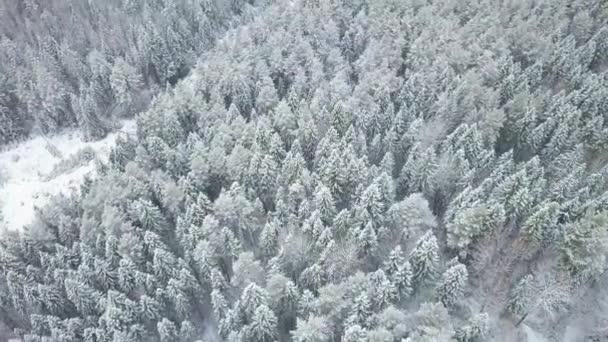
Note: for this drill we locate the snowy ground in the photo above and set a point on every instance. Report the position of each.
(25, 165)
(533, 335)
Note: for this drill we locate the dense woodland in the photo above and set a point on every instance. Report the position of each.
(66, 63)
(330, 170)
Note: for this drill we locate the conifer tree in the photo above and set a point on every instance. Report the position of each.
(452, 284)
(367, 240)
(125, 81)
(384, 291)
(314, 329)
(167, 331)
(540, 225)
(394, 261)
(88, 116)
(360, 311)
(324, 202)
(584, 246)
(471, 223)
(219, 303)
(263, 325)
(253, 297)
(424, 259)
(354, 333)
(269, 238)
(187, 332)
(476, 330)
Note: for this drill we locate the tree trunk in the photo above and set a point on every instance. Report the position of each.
(521, 320)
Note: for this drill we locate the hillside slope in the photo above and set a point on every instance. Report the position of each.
(345, 171)
(25, 169)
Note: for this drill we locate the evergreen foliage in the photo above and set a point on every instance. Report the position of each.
(328, 170)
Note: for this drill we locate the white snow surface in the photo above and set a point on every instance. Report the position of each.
(533, 335)
(25, 165)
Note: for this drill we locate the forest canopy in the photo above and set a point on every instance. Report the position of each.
(329, 170)
(84, 63)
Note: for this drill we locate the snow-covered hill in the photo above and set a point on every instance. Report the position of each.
(24, 170)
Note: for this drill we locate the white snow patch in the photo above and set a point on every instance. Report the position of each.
(573, 334)
(25, 166)
(533, 335)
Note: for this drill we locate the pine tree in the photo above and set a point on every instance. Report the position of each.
(123, 152)
(84, 297)
(367, 240)
(277, 149)
(149, 307)
(167, 331)
(173, 131)
(333, 172)
(253, 297)
(384, 291)
(105, 274)
(538, 227)
(354, 333)
(263, 325)
(187, 332)
(269, 239)
(164, 264)
(360, 311)
(520, 295)
(308, 138)
(394, 261)
(402, 280)
(453, 282)
(371, 201)
(267, 95)
(284, 296)
(313, 277)
(477, 329)
(314, 329)
(219, 303)
(285, 121)
(324, 202)
(306, 303)
(584, 246)
(88, 116)
(126, 275)
(470, 223)
(125, 81)
(49, 102)
(341, 222)
(424, 259)
(419, 165)
(399, 271)
(148, 215)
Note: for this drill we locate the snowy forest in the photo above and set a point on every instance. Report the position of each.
(313, 170)
(83, 62)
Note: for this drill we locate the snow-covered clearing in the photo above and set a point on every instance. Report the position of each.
(24, 168)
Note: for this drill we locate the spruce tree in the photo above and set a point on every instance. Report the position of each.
(424, 259)
(263, 325)
(452, 284)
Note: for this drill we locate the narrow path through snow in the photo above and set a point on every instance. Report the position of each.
(23, 169)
